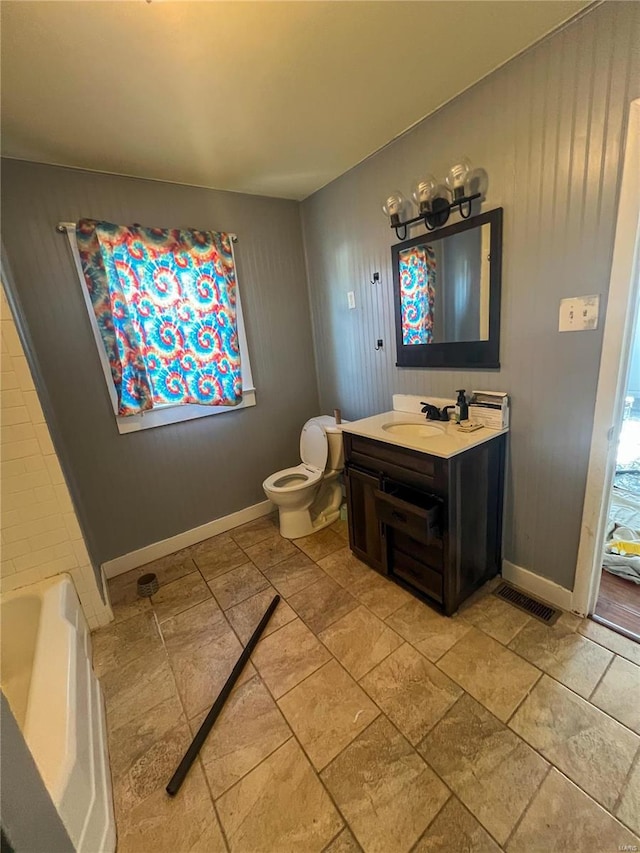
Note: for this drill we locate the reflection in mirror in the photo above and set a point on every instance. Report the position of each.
(444, 288)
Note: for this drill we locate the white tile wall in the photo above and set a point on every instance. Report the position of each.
(39, 531)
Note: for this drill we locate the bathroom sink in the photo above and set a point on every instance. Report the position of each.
(412, 430)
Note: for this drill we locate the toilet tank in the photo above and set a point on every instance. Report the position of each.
(333, 431)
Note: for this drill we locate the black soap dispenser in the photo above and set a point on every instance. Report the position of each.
(462, 409)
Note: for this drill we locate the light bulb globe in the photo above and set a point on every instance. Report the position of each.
(394, 207)
(457, 178)
(423, 192)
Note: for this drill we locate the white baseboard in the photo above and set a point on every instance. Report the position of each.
(535, 584)
(120, 565)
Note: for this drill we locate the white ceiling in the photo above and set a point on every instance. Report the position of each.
(275, 98)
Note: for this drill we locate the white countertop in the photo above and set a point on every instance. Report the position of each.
(449, 442)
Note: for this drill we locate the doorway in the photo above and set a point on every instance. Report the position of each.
(618, 602)
(605, 584)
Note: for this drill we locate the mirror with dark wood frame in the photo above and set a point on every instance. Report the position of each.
(447, 295)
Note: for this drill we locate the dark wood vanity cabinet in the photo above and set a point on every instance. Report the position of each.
(433, 525)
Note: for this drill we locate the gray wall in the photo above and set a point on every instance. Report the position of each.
(549, 129)
(135, 489)
(29, 818)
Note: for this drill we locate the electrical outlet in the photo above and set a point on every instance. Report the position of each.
(351, 299)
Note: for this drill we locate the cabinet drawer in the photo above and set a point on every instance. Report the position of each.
(418, 575)
(411, 512)
(429, 555)
(365, 450)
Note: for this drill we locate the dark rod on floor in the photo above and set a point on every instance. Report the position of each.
(196, 744)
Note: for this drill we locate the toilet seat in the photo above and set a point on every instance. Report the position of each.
(293, 479)
(314, 447)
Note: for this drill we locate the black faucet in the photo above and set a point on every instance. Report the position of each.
(433, 413)
(444, 414)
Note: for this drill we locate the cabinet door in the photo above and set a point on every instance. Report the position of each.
(365, 531)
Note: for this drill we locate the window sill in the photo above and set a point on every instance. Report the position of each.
(176, 414)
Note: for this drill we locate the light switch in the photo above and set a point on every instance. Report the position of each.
(351, 299)
(579, 313)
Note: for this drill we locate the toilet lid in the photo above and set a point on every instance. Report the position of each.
(313, 445)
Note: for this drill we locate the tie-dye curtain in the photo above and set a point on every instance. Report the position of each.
(165, 302)
(417, 288)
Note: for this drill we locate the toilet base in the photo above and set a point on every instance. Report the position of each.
(324, 510)
(297, 523)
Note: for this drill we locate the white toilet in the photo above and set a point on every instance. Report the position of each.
(309, 495)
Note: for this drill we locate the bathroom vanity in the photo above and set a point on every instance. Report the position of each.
(425, 502)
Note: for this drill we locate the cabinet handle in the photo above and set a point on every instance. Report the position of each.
(400, 516)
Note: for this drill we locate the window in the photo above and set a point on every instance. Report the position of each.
(166, 314)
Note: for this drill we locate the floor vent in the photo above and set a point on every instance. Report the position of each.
(538, 609)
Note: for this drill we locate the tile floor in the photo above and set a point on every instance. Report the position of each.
(365, 720)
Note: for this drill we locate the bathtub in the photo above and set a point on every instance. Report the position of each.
(57, 701)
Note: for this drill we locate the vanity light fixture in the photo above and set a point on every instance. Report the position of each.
(430, 197)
